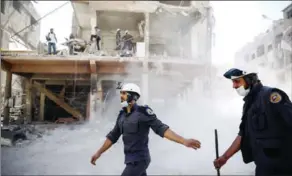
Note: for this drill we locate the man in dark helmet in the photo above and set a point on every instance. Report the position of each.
(265, 132)
(133, 123)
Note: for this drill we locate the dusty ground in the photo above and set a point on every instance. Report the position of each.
(67, 150)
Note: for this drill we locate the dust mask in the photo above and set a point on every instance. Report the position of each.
(124, 104)
(242, 91)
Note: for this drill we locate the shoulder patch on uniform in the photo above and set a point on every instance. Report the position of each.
(275, 97)
(146, 110)
(149, 111)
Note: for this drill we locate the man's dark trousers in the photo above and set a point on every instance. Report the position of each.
(137, 168)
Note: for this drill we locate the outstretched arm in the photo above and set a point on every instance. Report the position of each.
(163, 130)
(171, 135)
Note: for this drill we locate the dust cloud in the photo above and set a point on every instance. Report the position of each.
(67, 150)
(195, 114)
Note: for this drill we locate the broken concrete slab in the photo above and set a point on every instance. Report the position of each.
(6, 142)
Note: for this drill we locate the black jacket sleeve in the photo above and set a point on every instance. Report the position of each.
(115, 133)
(150, 118)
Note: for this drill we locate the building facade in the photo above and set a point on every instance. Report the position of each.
(174, 30)
(15, 16)
(270, 50)
(175, 27)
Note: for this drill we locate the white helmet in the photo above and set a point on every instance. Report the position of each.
(131, 87)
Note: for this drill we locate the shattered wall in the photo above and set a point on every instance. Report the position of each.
(16, 93)
(16, 16)
(199, 41)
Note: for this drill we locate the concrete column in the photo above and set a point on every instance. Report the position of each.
(145, 77)
(28, 100)
(91, 113)
(7, 95)
(99, 92)
(96, 101)
(1, 35)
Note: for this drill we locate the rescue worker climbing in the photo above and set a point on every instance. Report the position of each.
(265, 132)
(134, 122)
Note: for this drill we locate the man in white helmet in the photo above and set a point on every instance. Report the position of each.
(134, 122)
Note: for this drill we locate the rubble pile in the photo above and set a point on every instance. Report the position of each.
(19, 135)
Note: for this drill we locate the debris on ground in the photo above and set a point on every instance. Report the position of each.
(18, 135)
(65, 120)
(6, 142)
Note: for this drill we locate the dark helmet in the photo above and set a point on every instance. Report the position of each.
(250, 77)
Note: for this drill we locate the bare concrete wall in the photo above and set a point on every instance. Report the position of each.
(199, 41)
(15, 20)
(16, 89)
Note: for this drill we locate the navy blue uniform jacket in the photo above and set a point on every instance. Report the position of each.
(135, 128)
(266, 127)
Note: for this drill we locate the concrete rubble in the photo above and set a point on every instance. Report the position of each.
(19, 135)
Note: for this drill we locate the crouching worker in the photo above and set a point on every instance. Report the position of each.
(134, 122)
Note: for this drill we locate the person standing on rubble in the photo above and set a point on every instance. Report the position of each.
(71, 45)
(118, 39)
(127, 40)
(52, 40)
(265, 132)
(134, 122)
(96, 35)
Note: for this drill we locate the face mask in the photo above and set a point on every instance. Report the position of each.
(124, 104)
(242, 91)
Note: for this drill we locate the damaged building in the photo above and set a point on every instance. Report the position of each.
(15, 35)
(271, 50)
(172, 43)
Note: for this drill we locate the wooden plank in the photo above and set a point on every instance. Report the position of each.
(71, 82)
(42, 105)
(7, 95)
(56, 77)
(59, 69)
(5, 65)
(58, 101)
(92, 66)
(93, 83)
(88, 107)
(5, 52)
(62, 93)
(64, 69)
(100, 59)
